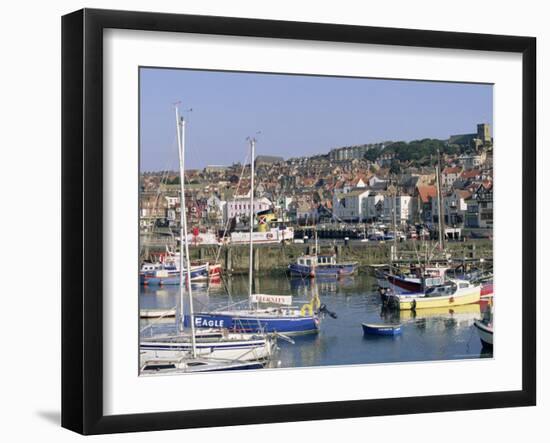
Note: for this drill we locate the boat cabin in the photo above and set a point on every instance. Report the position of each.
(319, 260)
(449, 288)
(149, 267)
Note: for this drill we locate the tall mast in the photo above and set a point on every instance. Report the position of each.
(180, 125)
(252, 142)
(316, 243)
(439, 211)
(394, 220)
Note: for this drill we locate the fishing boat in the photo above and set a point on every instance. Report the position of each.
(381, 328)
(321, 265)
(316, 265)
(451, 293)
(485, 331)
(210, 351)
(214, 271)
(266, 313)
(487, 290)
(168, 273)
(416, 278)
(484, 328)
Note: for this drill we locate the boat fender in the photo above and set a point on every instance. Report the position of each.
(413, 305)
(452, 300)
(306, 308)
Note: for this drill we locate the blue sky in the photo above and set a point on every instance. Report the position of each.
(297, 115)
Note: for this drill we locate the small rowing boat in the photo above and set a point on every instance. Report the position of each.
(381, 328)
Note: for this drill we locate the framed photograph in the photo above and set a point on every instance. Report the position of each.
(268, 221)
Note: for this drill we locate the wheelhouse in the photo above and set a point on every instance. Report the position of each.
(322, 260)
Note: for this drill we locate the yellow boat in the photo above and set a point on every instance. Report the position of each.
(463, 312)
(453, 293)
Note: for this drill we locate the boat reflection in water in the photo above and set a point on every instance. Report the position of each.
(304, 352)
(463, 314)
(325, 284)
(457, 317)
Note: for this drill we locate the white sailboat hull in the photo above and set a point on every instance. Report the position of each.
(241, 348)
(485, 333)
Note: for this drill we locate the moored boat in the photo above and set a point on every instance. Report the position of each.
(448, 294)
(417, 278)
(223, 345)
(290, 321)
(168, 273)
(381, 328)
(487, 289)
(321, 265)
(485, 331)
(214, 271)
(184, 365)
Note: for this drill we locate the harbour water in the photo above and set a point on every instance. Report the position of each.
(427, 335)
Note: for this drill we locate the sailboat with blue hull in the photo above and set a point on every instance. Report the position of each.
(289, 322)
(283, 318)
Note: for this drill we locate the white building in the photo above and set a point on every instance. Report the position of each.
(449, 176)
(353, 184)
(241, 207)
(374, 180)
(472, 161)
(172, 201)
(349, 206)
(374, 206)
(215, 208)
(454, 207)
(403, 208)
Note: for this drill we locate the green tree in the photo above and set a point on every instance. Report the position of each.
(395, 167)
(372, 154)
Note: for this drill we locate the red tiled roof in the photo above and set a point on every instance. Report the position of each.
(426, 192)
(449, 170)
(472, 173)
(463, 194)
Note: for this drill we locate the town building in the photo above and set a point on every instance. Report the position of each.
(471, 161)
(353, 152)
(401, 205)
(479, 213)
(449, 175)
(422, 203)
(348, 206)
(262, 160)
(239, 208)
(484, 133)
(373, 209)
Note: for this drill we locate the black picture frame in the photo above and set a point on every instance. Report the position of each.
(82, 190)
